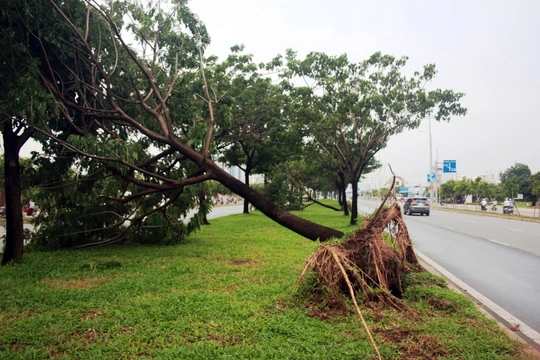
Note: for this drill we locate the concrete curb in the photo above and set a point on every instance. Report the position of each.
(512, 325)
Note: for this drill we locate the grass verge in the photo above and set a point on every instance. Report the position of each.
(228, 292)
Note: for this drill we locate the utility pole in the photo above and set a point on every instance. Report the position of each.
(431, 164)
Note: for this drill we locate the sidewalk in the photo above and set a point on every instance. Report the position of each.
(523, 212)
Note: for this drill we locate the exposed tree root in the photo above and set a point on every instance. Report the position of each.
(370, 263)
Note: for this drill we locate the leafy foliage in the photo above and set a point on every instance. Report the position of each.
(516, 179)
(136, 110)
(352, 109)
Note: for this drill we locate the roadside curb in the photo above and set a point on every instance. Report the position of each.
(495, 215)
(509, 323)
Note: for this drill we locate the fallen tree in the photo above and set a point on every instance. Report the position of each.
(135, 100)
(370, 262)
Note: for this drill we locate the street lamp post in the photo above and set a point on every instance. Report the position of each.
(432, 187)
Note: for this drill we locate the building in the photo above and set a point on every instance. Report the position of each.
(489, 178)
(399, 182)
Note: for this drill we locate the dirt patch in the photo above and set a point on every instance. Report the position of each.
(224, 340)
(57, 354)
(126, 330)
(17, 346)
(90, 314)
(442, 305)
(412, 345)
(421, 347)
(327, 307)
(89, 336)
(394, 335)
(240, 262)
(281, 305)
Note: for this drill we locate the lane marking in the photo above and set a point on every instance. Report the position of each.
(449, 228)
(471, 221)
(516, 229)
(523, 328)
(498, 242)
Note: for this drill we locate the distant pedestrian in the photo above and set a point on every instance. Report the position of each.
(31, 207)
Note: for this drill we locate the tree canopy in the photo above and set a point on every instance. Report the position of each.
(140, 114)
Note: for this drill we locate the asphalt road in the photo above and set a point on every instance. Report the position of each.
(518, 234)
(498, 257)
(531, 212)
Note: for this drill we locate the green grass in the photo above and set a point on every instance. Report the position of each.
(228, 292)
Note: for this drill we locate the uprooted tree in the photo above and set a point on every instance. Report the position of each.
(134, 102)
(371, 263)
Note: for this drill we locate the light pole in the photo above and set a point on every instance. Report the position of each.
(432, 191)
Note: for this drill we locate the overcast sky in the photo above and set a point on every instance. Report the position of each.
(490, 50)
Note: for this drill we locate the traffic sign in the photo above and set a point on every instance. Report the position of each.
(430, 179)
(449, 166)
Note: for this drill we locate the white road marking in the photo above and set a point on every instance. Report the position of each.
(515, 229)
(471, 221)
(523, 328)
(449, 228)
(498, 242)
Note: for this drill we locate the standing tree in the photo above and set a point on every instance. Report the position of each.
(14, 139)
(360, 106)
(522, 174)
(23, 104)
(535, 187)
(252, 132)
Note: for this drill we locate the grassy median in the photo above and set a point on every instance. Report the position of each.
(228, 292)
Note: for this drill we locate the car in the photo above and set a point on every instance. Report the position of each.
(419, 205)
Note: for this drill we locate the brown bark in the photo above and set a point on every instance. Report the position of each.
(14, 246)
(324, 205)
(295, 223)
(354, 203)
(246, 202)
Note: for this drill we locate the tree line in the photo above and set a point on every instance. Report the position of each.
(515, 180)
(134, 118)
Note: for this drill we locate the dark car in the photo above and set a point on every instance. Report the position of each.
(419, 205)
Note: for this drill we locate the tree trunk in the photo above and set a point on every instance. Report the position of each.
(202, 198)
(339, 193)
(343, 189)
(354, 203)
(246, 181)
(292, 222)
(14, 246)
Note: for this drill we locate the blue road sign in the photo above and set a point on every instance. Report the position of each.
(431, 179)
(449, 166)
(428, 178)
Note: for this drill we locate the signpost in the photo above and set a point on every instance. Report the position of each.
(449, 166)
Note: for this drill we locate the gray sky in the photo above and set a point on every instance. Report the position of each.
(490, 50)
